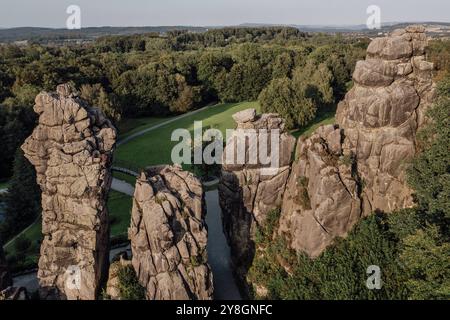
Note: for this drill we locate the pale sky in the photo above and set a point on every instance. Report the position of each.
(52, 13)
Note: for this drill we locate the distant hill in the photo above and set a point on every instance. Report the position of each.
(50, 34)
(385, 27)
(38, 34)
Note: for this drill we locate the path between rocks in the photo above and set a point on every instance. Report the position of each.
(122, 187)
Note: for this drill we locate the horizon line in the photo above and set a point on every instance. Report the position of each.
(232, 25)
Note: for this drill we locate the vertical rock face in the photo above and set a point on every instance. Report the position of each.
(247, 192)
(168, 235)
(381, 114)
(322, 198)
(71, 149)
(356, 167)
(5, 277)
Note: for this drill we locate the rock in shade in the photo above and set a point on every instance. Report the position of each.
(247, 190)
(71, 149)
(168, 235)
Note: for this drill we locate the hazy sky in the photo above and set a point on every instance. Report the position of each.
(52, 13)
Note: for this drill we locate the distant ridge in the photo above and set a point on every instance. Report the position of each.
(36, 33)
(89, 33)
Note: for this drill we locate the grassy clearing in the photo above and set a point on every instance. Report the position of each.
(127, 127)
(33, 233)
(155, 147)
(119, 207)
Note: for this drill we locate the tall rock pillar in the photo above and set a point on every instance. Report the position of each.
(71, 149)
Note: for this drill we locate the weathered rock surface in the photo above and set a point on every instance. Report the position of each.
(71, 149)
(322, 197)
(356, 167)
(5, 276)
(168, 235)
(249, 190)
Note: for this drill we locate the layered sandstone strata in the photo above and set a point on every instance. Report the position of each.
(168, 235)
(71, 149)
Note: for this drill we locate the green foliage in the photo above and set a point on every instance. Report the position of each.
(282, 96)
(199, 259)
(429, 174)
(265, 232)
(16, 123)
(95, 95)
(339, 272)
(22, 203)
(157, 75)
(426, 258)
(129, 286)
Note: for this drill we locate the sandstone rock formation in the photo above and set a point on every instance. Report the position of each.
(5, 276)
(71, 149)
(356, 167)
(247, 191)
(168, 235)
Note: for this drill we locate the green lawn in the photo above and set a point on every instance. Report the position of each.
(119, 207)
(155, 147)
(129, 126)
(33, 233)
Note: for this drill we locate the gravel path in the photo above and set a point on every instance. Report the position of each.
(122, 187)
